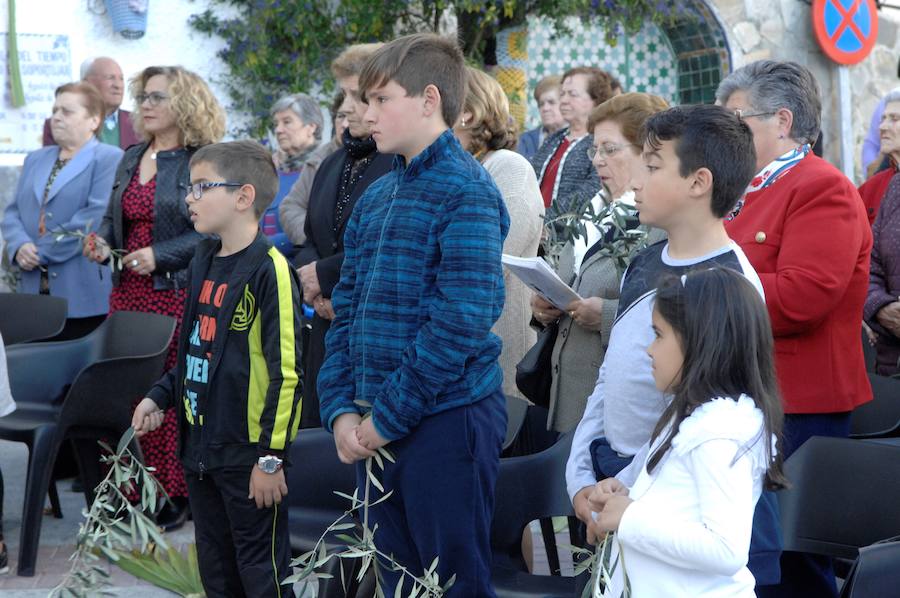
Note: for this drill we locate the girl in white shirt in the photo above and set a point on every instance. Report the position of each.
(683, 528)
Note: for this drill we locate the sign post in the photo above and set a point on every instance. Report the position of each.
(846, 31)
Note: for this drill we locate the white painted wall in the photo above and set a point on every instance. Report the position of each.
(168, 40)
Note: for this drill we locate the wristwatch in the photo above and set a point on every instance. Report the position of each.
(269, 463)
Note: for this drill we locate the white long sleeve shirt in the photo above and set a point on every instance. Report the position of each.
(687, 533)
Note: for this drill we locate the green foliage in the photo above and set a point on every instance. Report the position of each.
(166, 568)
(123, 533)
(562, 228)
(359, 543)
(601, 564)
(273, 47)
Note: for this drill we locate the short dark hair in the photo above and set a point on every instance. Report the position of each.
(709, 137)
(416, 61)
(246, 162)
(725, 335)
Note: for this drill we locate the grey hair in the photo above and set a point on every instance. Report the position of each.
(893, 96)
(86, 67)
(771, 86)
(306, 108)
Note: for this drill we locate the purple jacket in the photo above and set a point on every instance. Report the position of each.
(884, 276)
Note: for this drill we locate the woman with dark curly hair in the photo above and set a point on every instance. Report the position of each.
(147, 218)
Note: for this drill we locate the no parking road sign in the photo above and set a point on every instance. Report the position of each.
(845, 29)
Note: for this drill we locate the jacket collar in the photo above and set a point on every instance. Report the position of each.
(444, 145)
(75, 166)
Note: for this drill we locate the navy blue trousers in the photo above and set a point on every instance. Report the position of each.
(443, 497)
(804, 574)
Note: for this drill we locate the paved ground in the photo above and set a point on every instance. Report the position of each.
(57, 537)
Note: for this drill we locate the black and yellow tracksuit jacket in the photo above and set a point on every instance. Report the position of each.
(252, 402)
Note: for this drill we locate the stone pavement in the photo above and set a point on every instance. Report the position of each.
(57, 537)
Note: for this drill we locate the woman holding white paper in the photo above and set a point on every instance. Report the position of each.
(584, 326)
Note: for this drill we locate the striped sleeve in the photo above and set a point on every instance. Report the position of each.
(279, 313)
(469, 296)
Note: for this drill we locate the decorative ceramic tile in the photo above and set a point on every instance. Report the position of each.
(642, 62)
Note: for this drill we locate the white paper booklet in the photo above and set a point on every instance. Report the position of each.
(540, 278)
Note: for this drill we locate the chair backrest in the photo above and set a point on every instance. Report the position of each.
(529, 488)
(315, 472)
(516, 410)
(875, 573)
(133, 334)
(43, 372)
(25, 317)
(844, 495)
(879, 417)
(103, 394)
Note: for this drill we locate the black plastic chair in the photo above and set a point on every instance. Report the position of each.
(844, 496)
(528, 488)
(875, 573)
(82, 389)
(25, 318)
(516, 409)
(315, 472)
(879, 418)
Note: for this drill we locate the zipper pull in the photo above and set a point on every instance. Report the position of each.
(202, 469)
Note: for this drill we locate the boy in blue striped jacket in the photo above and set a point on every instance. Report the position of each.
(421, 286)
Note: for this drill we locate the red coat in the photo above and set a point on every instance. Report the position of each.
(127, 136)
(873, 190)
(809, 239)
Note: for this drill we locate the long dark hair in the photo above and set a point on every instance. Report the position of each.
(724, 331)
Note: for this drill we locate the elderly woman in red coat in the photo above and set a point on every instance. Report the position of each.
(803, 227)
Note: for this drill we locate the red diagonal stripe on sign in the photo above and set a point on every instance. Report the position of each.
(847, 20)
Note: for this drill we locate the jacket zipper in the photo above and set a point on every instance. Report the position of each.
(372, 281)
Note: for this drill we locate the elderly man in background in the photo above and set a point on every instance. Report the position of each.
(116, 129)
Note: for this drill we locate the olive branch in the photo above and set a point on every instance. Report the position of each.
(561, 228)
(91, 239)
(113, 525)
(360, 544)
(601, 565)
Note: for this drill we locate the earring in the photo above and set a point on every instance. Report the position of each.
(463, 123)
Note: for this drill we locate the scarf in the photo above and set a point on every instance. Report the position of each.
(360, 153)
(773, 171)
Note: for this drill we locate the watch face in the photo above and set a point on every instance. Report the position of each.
(268, 464)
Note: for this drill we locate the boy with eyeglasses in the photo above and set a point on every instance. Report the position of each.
(236, 383)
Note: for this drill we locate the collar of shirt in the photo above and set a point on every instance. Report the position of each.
(112, 120)
(773, 171)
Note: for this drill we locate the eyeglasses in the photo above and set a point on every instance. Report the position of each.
(607, 150)
(154, 98)
(744, 115)
(197, 189)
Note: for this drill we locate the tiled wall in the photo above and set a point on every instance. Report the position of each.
(642, 62)
(683, 64)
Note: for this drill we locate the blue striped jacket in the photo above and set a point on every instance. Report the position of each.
(421, 286)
